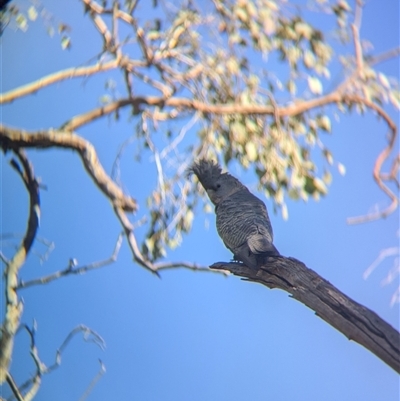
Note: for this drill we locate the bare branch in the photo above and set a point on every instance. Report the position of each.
(41, 369)
(72, 270)
(141, 260)
(98, 376)
(355, 27)
(59, 76)
(382, 255)
(128, 229)
(392, 53)
(14, 306)
(355, 321)
(196, 105)
(188, 265)
(383, 156)
(13, 138)
(14, 388)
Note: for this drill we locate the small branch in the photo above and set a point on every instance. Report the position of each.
(383, 156)
(72, 270)
(14, 388)
(14, 306)
(98, 376)
(89, 335)
(14, 138)
(188, 265)
(355, 27)
(141, 260)
(128, 229)
(42, 369)
(59, 76)
(355, 321)
(392, 53)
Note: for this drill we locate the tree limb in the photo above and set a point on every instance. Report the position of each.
(14, 306)
(355, 321)
(41, 83)
(14, 138)
(71, 269)
(42, 369)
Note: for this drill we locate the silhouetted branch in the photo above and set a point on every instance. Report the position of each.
(355, 321)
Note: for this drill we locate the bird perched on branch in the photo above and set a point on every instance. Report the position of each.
(242, 218)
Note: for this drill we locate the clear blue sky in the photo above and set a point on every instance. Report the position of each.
(189, 336)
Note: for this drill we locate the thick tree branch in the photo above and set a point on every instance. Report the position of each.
(293, 109)
(222, 109)
(355, 321)
(13, 305)
(14, 138)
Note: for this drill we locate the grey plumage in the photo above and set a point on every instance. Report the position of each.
(242, 218)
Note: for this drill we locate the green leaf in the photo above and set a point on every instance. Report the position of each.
(285, 212)
(315, 85)
(341, 168)
(324, 123)
(251, 151)
(320, 186)
(309, 59)
(22, 22)
(383, 80)
(187, 220)
(328, 156)
(65, 42)
(32, 13)
(327, 177)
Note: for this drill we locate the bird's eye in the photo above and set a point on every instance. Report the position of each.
(218, 186)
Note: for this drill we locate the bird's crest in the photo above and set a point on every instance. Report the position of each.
(208, 172)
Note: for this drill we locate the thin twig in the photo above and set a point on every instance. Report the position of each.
(98, 376)
(355, 27)
(41, 369)
(72, 270)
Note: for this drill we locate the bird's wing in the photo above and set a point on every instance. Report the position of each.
(261, 241)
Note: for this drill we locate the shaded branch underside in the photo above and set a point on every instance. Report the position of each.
(355, 321)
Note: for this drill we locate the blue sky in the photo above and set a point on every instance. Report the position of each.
(189, 336)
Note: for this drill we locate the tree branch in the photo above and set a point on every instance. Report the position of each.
(355, 321)
(141, 260)
(72, 270)
(379, 177)
(41, 83)
(14, 306)
(14, 138)
(42, 369)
